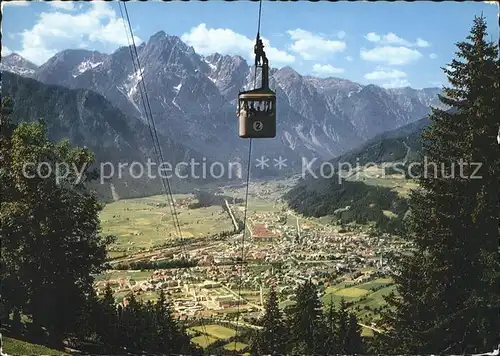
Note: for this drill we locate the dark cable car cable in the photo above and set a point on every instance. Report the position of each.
(152, 127)
(136, 67)
(156, 143)
(243, 256)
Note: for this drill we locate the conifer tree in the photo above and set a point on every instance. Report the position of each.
(131, 331)
(342, 327)
(107, 318)
(331, 329)
(272, 339)
(164, 324)
(448, 300)
(148, 326)
(171, 338)
(354, 341)
(305, 321)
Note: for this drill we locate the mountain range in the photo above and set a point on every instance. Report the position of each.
(354, 201)
(87, 119)
(193, 98)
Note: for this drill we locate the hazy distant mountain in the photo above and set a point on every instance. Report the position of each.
(349, 201)
(391, 146)
(88, 119)
(193, 100)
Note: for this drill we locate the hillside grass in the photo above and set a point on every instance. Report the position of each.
(376, 176)
(19, 347)
(366, 298)
(364, 200)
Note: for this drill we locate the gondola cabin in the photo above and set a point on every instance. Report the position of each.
(257, 108)
(257, 114)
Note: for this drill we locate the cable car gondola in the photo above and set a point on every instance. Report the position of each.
(257, 107)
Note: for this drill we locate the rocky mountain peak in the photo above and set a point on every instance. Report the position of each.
(15, 63)
(68, 64)
(287, 73)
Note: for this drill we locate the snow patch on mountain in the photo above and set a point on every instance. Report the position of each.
(85, 66)
(15, 63)
(193, 98)
(132, 83)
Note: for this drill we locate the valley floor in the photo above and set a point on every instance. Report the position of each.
(280, 246)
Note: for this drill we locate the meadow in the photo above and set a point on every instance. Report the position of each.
(375, 175)
(212, 333)
(145, 223)
(235, 346)
(367, 298)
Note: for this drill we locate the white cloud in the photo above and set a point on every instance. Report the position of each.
(56, 31)
(310, 46)
(372, 37)
(5, 51)
(326, 69)
(381, 74)
(433, 56)
(422, 43)
(390, 55)
(349, 58)
(63, 5)
(393, 39)
(207, 41)
(341, 34)
(396, 83)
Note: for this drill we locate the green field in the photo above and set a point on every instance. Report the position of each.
(366, 332)
(18, 347)
(204, 340)
(144, 223)
(376, 299)
(260, 206)
(375, 283)
(211, 333)
(217, 331)
(366, 299)
(334, 288)
(136, 276)
(351, 292)
(235, 346)
(374, 175)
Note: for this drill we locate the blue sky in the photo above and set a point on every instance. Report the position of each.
(391, 44)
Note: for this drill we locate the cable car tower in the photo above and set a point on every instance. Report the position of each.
(257, 107)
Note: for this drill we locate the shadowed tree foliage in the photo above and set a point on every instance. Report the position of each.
(106, 316)
(353, 341)
(305, 321)
(272, 339)
(331, 342)
(51, 245)
(448, 298)
(49, 227)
